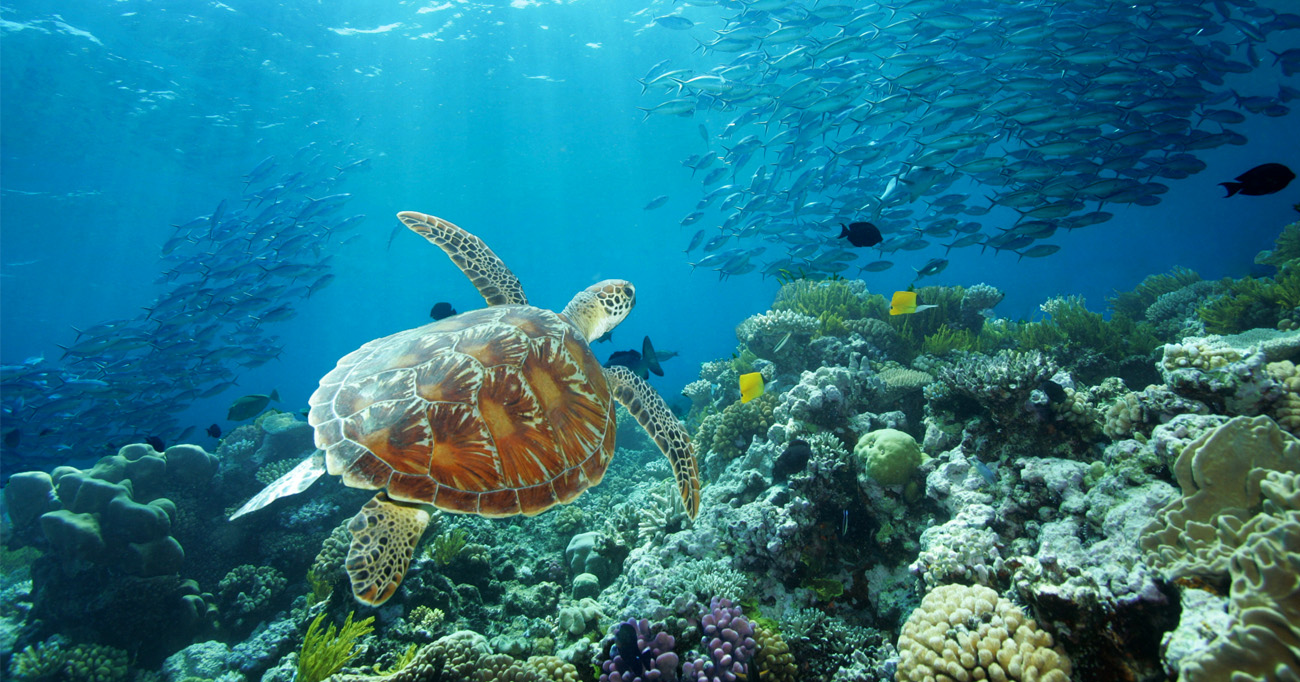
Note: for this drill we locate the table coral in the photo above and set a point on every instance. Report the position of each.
(971, 633)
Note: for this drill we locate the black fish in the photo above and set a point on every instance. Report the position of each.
(1260, 180)
(214, 431)
(13, 437)
(791, 461)
(861, 234)
(442, 310)
(626, 649)
(1054, 391)
(641, 363)
(155, 442)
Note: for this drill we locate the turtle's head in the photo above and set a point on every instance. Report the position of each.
(600, 307)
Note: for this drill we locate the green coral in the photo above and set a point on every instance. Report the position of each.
(827, 589)
(830, 302)
(1286, 250)
(96, 663)
(1248, 303)
(888, 456)
(268, 473)
(1070, 329)
(248, 589)
(447, 546)
(1134, 304)
(325, 653)
(39, 662)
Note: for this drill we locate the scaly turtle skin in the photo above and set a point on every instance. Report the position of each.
(496, 412)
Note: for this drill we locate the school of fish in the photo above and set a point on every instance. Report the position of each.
(952, 125)
(229, 275)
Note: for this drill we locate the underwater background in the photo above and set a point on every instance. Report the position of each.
(1078, 464)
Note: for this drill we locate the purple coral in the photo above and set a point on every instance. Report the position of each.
(653, 659)
(728, 642)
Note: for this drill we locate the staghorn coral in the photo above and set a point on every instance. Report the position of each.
(962, 632)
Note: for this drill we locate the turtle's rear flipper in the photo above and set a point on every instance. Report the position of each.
(384, 535)
(652, 413)
(297, 480)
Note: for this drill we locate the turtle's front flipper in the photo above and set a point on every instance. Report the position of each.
(297, 480)
(384, 535)
(484, 269)
(652, 413)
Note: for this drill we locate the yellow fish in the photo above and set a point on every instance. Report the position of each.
(904, 303)
(751, 386)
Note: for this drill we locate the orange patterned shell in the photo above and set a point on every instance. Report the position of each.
(498, 411)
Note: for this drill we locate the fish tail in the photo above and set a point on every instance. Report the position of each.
(1232, 187)
(651, 357)
(275, 394)
(844, 231)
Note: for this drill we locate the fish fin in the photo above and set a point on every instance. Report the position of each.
(384, 536)
(650, 358)
(844, 231)
(297, 480)
(1232, 187)
(275, 394)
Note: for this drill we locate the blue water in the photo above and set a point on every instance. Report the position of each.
(517, 121)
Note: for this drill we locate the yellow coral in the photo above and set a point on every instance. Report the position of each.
(773, 660)
(970, 633)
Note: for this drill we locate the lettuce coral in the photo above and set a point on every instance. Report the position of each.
(1235, 522)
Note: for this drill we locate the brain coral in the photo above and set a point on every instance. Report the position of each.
(970, 633)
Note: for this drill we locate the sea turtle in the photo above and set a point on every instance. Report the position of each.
(498, 411)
